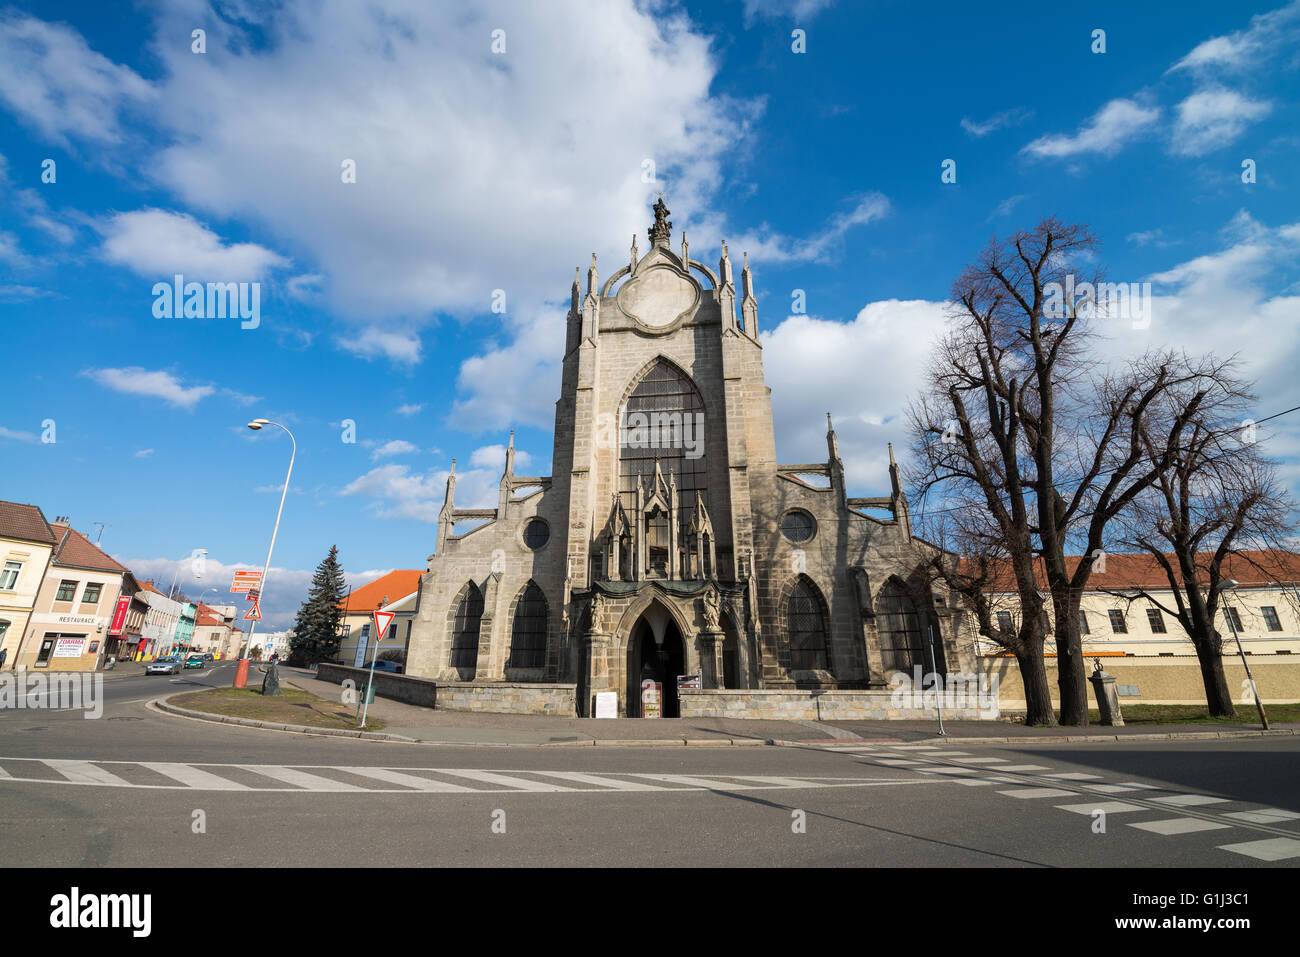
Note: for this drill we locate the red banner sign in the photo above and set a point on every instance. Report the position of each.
(119, 615)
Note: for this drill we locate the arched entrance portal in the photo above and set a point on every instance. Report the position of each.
(656, 651)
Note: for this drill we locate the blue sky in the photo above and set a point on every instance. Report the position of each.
(480, 171)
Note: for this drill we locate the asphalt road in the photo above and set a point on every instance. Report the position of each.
(133, 787)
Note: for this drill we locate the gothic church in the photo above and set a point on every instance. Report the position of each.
(669, 541)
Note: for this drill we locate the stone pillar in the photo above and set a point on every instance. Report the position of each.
(709, 645)
(1103, 686)
(598, 671)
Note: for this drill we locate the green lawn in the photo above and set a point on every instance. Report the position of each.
(294, 706)
(1197, 714)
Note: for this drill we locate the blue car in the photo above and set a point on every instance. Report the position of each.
(394, 667)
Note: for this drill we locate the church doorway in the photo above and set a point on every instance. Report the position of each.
(661, 661)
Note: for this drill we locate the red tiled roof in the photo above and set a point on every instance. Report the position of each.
(75, 551)
(394, 585)
(1247, 567)
(25, 522)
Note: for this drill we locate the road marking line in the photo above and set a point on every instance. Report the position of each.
(1275, 849)
(1108, 807)
(4, 773)
(915, 747)
(783, 782)
(409, 780)
(615, 784)
(194, 777)
(1180, 825)
(83, 772)
(985, 761)
(523, 784)
(1120, 788)
(957, 754)
(899, 762)
(310, 782)
(973, 782)
(691, 780)
(1266, 815)
(953, 770)
(1074, 776)
(1037, 793)
(1189, 800)
(1024, 767)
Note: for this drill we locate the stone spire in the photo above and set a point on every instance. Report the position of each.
(832, 441)
(659, 232)
(748, 304)
(593, 280)
(510, 455)
(635, 255)
(686, 251)
(450, 500)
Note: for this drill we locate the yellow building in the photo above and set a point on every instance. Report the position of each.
(1121, 610)
(26, 543)
(395, 592)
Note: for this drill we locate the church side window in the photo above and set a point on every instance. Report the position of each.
(528, 634)
(806, 626)
(469, 615)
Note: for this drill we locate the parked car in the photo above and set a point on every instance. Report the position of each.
(164, 666)
(195, 661)
(392, 666)
(208, 657)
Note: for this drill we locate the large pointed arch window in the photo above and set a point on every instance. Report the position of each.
(663, 421)
(464, 634)
(528, 633)
(899, 626)
(806, 628)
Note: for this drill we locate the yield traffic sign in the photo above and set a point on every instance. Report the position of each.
(382, 618)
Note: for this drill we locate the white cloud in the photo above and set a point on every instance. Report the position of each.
(393, 447)
(57, 85)
(17, 435)
(1110, 128)
(514, 384)
(157, 243)
(409, 408)
(1005, 207)
(376, 342)
(996, 122)
(157, 384)
(1243, 49)
(143, 453)
(1211, 119)
(892, 338)
(494, 457)
(16, 293)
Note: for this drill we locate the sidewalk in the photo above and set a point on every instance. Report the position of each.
(482, 728)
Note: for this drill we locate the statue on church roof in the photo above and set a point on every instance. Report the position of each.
(659, 232)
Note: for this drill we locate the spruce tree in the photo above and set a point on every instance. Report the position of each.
(316, 629)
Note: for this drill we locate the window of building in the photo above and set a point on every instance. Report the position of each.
(90, 594)
(528, 634)
(9, 576)
(899, 627)
(1157, 621)
(798, 525)
(806, 626)
(662, 423)
(1004, 620)
(67, 590)
(1233, 616)
(1270, 618)
(1117, 622)
(464, 636)
(1083, 623)
(536, 534)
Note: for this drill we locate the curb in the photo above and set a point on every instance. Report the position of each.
(1077, 738)
(162, 705)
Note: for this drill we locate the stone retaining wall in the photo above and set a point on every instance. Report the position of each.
(403, 688)
(815, 705)
(509, 697)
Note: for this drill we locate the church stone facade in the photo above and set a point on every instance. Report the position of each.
(670, 541)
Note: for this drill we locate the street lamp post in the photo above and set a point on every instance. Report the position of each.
(1227, 613)
(241, 671)
(196, 611)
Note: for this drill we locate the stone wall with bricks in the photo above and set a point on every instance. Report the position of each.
(1163, 680)
(798, 705)
(508, 697)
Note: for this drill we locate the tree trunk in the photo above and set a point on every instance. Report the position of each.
(1217, 695)
(1038, 694)
(1070, 677)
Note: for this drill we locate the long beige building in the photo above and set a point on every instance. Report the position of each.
(26, 543)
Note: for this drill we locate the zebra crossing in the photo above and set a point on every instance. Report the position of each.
(399, 780)
(1199, 812)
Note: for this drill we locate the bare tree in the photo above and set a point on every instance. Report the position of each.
(1217, 497)
(1017, 420)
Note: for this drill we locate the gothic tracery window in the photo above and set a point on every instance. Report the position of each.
(528, 633)
(806, 628)
(464, 635)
